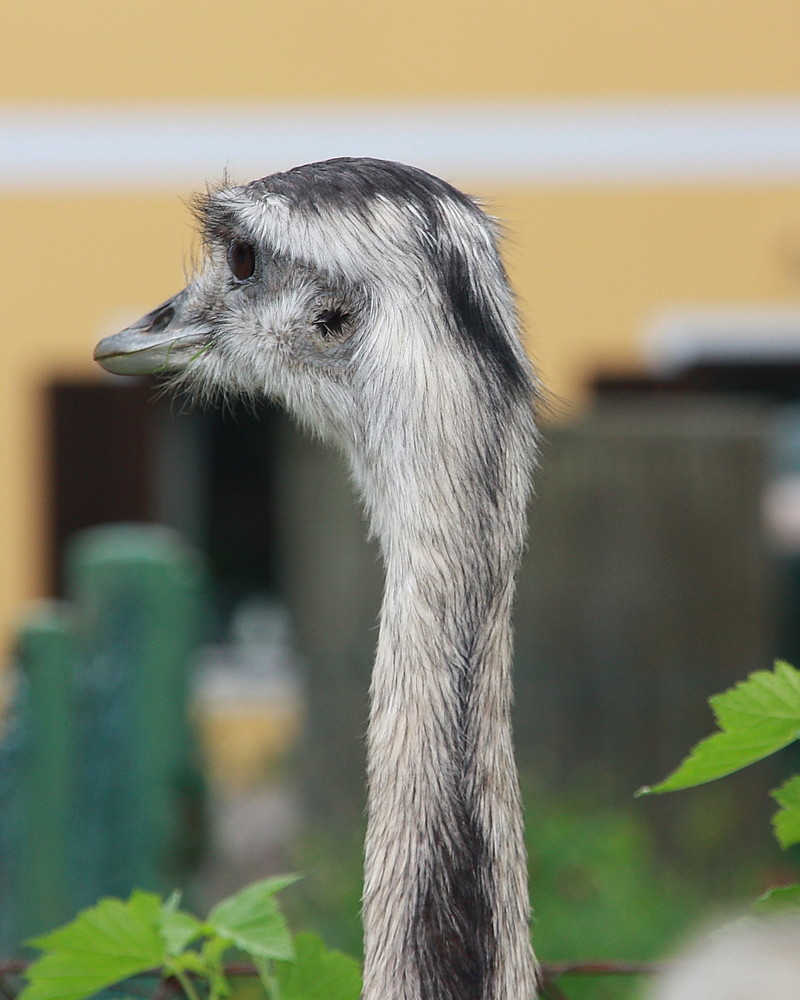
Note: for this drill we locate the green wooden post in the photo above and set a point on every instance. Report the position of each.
(137, 591)
(46, 651)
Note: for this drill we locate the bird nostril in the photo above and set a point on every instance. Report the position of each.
(162, 319)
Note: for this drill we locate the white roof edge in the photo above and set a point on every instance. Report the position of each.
(139, 146)
(680, 338)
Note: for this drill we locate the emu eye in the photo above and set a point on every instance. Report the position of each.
(242, 259)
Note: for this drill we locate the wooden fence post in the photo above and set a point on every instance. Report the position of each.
(100, 787)
(137, 591)
(46, 657)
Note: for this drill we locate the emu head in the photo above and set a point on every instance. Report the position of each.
(356, 292)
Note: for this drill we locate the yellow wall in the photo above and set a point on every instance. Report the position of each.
(593, 264)
(157, 50)
(70, 267)
(595, 267)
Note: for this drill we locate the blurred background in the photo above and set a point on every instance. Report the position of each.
(645, 160)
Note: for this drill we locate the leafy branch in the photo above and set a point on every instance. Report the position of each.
(756, 718)
(117, 940)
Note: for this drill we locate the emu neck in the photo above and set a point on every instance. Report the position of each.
(445, 895)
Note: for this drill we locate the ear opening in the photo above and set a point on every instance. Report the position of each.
(333, 324)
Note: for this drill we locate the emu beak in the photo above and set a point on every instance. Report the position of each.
(158, 342)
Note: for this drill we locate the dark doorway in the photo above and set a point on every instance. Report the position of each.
(101, 447)
(118, 451)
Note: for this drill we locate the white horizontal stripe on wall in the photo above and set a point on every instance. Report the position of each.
(164, 146)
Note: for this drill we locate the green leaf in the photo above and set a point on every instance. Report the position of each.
(787, 897)
(757, 717)
(318, 973)
(179, 929)
(252, 921)
(786, 821)
(103, 945)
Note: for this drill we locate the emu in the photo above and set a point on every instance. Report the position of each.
(369, 299)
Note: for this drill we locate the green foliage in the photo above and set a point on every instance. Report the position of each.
(103, 945)
(328, 900)
(252, 922)
(178, 928)
(601, 890)
(786, 822)
(756, 718)
(120, 939)
(318, 973)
